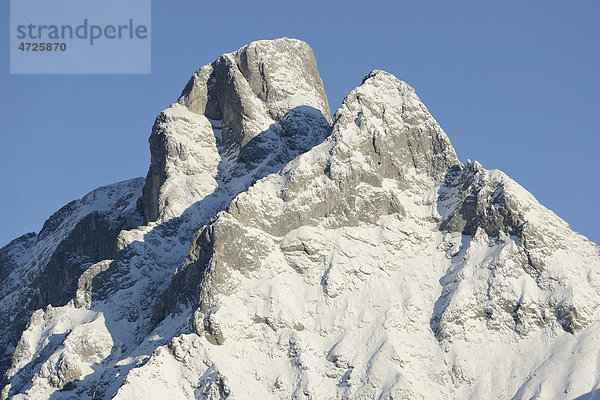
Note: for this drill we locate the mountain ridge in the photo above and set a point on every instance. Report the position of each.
(274, 251)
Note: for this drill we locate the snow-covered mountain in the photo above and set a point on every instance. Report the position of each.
(274, 252)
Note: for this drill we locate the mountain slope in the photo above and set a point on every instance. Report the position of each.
(276, 252)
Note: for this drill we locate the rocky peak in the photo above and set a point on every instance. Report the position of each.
(288, 256)
(385, 123)
(282, 74)
(383, 139)
(253, 110)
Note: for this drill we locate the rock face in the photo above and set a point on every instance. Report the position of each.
(92, 239)
(278, 253)
(261, 106)
(42, 270)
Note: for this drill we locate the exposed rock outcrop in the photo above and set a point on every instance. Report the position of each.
(264, 104)
(278, 253)
(41, 270)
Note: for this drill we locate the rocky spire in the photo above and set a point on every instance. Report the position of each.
(263, 101)
(384, 123)
(263, 78)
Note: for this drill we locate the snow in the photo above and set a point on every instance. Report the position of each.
(329, 275)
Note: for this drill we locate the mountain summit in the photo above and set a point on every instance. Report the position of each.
(276, 252)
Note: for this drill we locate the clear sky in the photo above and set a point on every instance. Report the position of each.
(514, 84)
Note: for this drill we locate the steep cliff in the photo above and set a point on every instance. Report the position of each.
(276, 252)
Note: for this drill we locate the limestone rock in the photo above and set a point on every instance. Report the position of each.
(257, 108)
(278, 253)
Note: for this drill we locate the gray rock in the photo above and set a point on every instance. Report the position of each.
(270, 101)
(40, 270)
(307, 258)
(484, 205)
(383, 124)
(93, 239)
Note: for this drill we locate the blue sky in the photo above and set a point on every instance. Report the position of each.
(514, 84)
